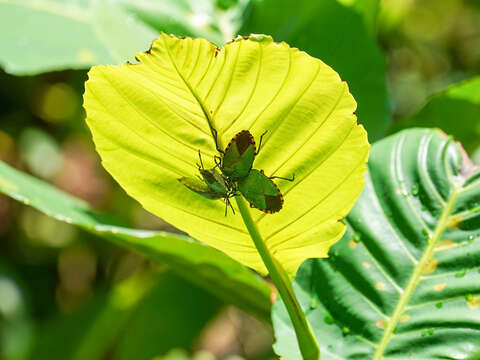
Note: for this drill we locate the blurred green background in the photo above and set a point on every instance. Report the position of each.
(65, 294)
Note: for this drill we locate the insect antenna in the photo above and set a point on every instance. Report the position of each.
(201, 162)
(228, 203)
(260, 143)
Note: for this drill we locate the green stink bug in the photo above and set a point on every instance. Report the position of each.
(215, 180)
(212, 185)
(199, 187)
(261, 192)
(238, 156)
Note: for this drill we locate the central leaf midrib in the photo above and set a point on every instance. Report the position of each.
(413, 282)
(203, 106)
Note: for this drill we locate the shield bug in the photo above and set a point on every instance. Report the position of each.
(200, 187)
(215, 181)
(261, 192)
(237, 159)
(211, 185)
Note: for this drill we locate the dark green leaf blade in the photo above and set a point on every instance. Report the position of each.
(115, 321)
(339, 35)
(191, 259)
(179, 312)
(404, 282)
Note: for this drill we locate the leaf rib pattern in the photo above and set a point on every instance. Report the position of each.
(318, 203)
(292, 106)
(187, 110)
(153, 123)
(272, 99)
(422, 192)
(377, 265)
(252, 92)
(291, 156)
(139, 154)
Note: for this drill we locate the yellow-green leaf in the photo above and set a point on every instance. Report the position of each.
(149, 120)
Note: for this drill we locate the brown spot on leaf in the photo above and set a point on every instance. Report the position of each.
(455, 221)
(473, 301)
(381, 324)
(440, 287)
(380, 285)
(430, 266)
(444, 245)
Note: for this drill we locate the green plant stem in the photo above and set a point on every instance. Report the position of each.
(306, 341)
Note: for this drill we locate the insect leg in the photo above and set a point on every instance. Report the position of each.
(201, 162)
(260, 143)
(231, 207)
(218, 161)
(215, 135)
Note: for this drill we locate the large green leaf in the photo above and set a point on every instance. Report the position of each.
(193, 260)
(45, 35)
(149, 121)
(137, 319)
(404, 282)
(455, 111)
(62, 34)
(339, 34)
(171, 315)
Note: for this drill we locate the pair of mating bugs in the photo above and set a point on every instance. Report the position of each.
(236, 175)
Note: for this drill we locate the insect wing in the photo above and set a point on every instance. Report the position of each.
(261, 192)
(199, 187)
(214, 181)
(239, 155)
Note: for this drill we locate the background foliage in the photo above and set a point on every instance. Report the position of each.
(395, 55)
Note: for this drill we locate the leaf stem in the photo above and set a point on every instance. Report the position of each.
(306, 340)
